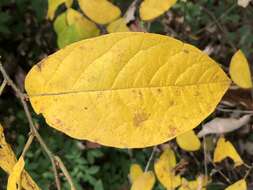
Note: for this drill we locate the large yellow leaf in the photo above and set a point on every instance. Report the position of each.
(164, 169)
(225, 149)
(100, 11)
(151, 9)
(239, 70)
(126, 89)
(118, 25)
(8, 161)
(144, 182)
(239, 185)
(135, 172)
(188, 141)
(14, 180)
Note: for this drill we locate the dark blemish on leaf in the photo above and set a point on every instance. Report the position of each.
(171, 103)
(185, 51)
(41, 64)
(172, 130)
(159, 90)
(196, 93)
(85, 108)
(58, 122)
(139, 118)
(133, 91)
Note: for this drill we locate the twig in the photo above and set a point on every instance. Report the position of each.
(65, 172)
(4, 83)
(150, 158)
(205, 154)
(28, 144)
(234, 110)
(21, 96)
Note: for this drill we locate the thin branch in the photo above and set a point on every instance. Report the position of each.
(150, 158)
(234, 110)
(4, 83)
(27, 144)
(22, 97)
(65, 172)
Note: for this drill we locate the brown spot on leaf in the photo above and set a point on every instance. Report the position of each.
(159, 90)
(41, 64)
(139, 118)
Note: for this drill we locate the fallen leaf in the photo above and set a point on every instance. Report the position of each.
(164, 170)
(118, 25)
(225, 149)
(188, 141)
(150, 9)
(8, 161)
(239, 70)
(117, 87)
(223, 125)
(239, 185)
(54, 4)
(144, 182)
(14, 180)
(135, 172)
(243, 3)
(100, 11)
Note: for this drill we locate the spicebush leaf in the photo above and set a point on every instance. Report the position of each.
(226, 149)
(188, 141)
(126, 89)
(144, 182)
(239, 70)
(151, 9)
(164, 169)
(100, 11)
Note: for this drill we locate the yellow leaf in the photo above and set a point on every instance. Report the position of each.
(135, 172)
(239, 185)
(239, 70)
(164, 169)
(8, 161)
(14, 180)
(199, 184)
(126, 89)
(188, 141)
(54, 4)
(118, 25)
(225, 149)
(151, 9)
(100, 11)
(85, 28)
(144, 182)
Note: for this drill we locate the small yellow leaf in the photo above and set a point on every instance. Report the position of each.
(85, 27)
(199, 184)
(144, 182)
(128, 86)
(135, 172)
(151, 9)
(239, 70)
(225, 149)
(118, 25)
(188, 141)
(8, 161)
(100, 11)
(54, 4)
(14, 180)
(164, 169)
(239, 185)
